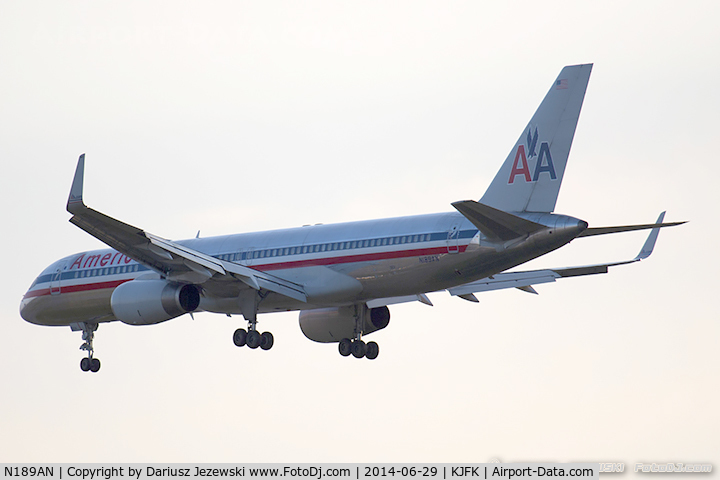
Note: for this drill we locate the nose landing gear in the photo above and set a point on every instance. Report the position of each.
(89, 363)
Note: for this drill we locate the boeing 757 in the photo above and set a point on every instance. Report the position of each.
(341, 277)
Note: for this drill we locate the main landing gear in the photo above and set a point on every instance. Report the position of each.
(253, 338)
(249, 301)
(89, 363)
(358, 348)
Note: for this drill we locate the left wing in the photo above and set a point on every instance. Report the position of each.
(172, 260)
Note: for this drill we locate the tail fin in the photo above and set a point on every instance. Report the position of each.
(530, 178)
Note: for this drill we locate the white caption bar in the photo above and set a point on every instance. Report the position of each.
(365, 471)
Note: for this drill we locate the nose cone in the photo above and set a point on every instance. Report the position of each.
(30, 305)
(25, 312)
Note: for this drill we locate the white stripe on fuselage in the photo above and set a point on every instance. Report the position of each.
(369, 251)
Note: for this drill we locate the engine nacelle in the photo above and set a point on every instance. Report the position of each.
(146, 302)
(326, 325)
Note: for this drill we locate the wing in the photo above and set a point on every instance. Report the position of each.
(525, 280)
(172, 260)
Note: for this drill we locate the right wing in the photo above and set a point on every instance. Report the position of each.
(525, 280)
(172, 260)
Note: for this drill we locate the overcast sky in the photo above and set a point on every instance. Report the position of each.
(227, 117)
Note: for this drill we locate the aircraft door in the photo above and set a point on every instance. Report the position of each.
(453, 239)
(249, 256)
(55, 282)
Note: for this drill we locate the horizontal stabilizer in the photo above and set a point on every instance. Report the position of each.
(496, 224)
(589, 232)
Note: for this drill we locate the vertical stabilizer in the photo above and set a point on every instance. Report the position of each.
(530, 178)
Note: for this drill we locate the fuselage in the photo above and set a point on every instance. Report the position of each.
(338, 264)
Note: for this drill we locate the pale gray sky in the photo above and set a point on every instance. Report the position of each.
(238, 116)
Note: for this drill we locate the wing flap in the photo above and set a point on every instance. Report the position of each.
(505, 280)
(383, 302)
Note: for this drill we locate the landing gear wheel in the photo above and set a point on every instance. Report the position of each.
(253, 339)
(266, 340)
(94, 365)
(240, 337)
(85, 364)
(372, 351)
(345, 347)
(359, 348)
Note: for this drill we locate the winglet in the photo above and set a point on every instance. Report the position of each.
(75, 200)
(649, 245)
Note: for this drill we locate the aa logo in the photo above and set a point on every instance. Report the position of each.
(543, 161)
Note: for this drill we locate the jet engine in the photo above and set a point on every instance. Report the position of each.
(328, 325)
(146, 302)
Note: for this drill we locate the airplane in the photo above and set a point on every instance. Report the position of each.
(340, 277)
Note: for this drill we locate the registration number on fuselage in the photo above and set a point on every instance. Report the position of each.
(429, 258)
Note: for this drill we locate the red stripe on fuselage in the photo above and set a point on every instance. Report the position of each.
(77, 288)
(366, 257)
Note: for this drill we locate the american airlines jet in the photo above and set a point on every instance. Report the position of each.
(341, 277)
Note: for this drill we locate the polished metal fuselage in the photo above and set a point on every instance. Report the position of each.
(338, 264)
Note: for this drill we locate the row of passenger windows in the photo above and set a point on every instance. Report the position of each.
(96, 272)
(325, 247)
(270, 252)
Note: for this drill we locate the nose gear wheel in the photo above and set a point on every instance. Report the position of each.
(89, 363)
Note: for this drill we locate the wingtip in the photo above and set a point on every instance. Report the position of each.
(649, 244)
(75, 199)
